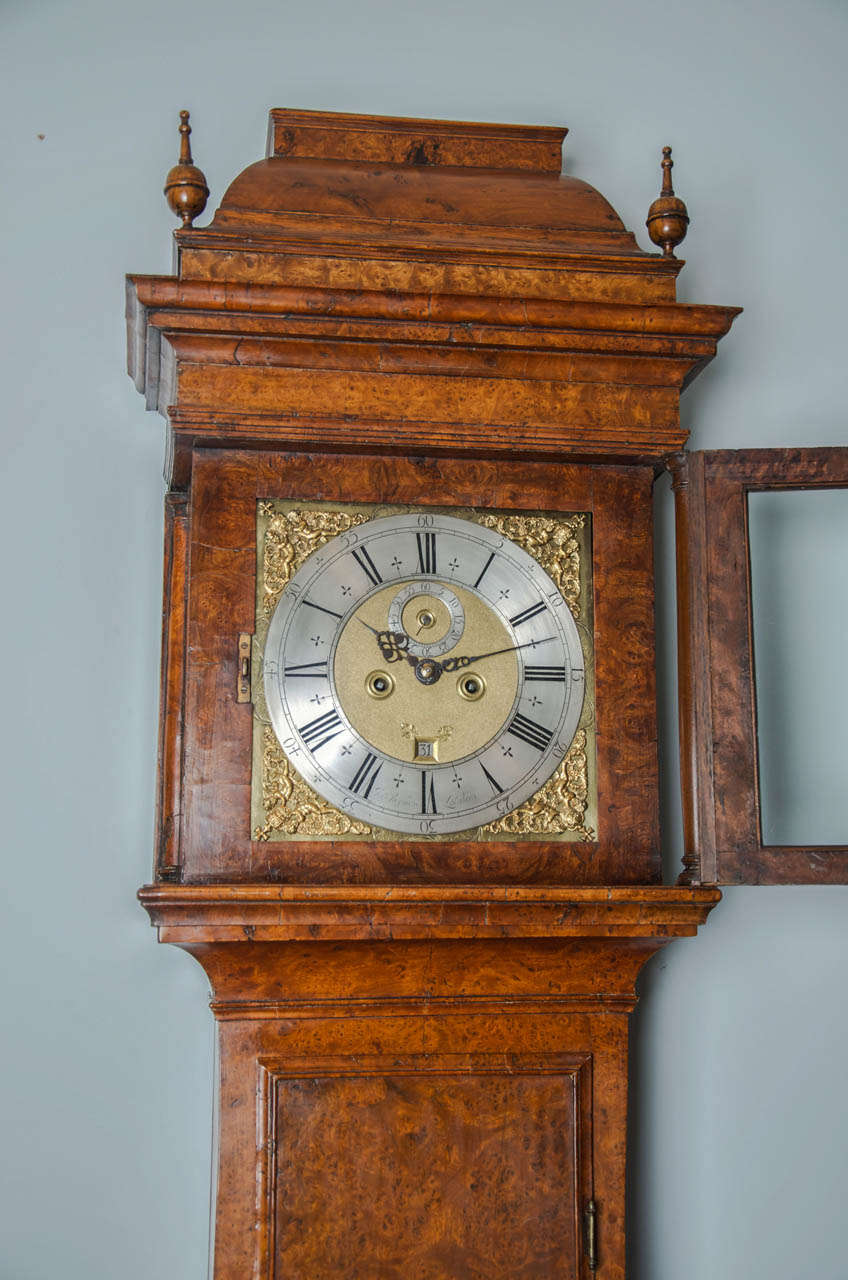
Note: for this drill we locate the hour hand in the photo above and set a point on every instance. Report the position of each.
(393, 644)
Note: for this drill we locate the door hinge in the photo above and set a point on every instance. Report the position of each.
(590, 1234)
(244, 664)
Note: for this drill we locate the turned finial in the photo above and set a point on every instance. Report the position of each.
(667, 216)
(185, 186)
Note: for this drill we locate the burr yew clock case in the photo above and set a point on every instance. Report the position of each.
(418, 385)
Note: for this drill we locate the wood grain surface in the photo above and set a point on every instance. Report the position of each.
(417, 1169)
(329, 135)
(719, 765)
(437, 288)
(422, 1046)
(426, 1086)
(217, 734)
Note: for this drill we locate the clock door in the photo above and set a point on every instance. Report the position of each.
(727, 629)
(448, 708)
(433, 1166)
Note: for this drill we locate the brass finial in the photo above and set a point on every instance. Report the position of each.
(185, 186)
(667, 216)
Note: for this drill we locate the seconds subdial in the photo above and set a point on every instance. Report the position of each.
(430, 614)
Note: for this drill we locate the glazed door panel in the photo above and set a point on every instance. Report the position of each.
(437, 1167)
(723, 830)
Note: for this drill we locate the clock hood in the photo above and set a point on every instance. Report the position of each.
(412, 182)
(424, 286)
(489, 194)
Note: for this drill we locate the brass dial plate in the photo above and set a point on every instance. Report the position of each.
(446, 776)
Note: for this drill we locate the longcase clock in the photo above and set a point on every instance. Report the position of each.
(418, 385)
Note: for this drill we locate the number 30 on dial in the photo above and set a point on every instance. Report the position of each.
(423, 673)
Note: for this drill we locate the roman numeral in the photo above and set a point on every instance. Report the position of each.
(527, 614)
(496, 787)
(428, 793)
(331, 612)
(483, 570)
(535, 735)
(318, 732)
(365, 775)
(367, 565)
(426, 552)
(545, 673)
(308, 669)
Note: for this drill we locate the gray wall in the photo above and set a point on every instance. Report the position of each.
(738, 1119)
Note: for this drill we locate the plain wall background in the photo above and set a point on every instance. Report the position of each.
(739, 1127)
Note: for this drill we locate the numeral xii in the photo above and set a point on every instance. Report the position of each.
(426, 552)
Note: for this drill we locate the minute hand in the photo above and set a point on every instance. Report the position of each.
(455, 664)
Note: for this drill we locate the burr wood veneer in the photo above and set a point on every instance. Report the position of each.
(422, 1043)
(718, 717)
(422, 1082)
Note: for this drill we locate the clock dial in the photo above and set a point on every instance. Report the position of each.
(423, 673)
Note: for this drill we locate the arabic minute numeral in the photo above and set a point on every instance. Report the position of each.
(366, 775)
(318, 732)
(527, 730)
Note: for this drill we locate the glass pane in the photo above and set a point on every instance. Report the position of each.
(799, 582)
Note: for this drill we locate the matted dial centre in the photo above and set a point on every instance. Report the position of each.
(424, 704)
